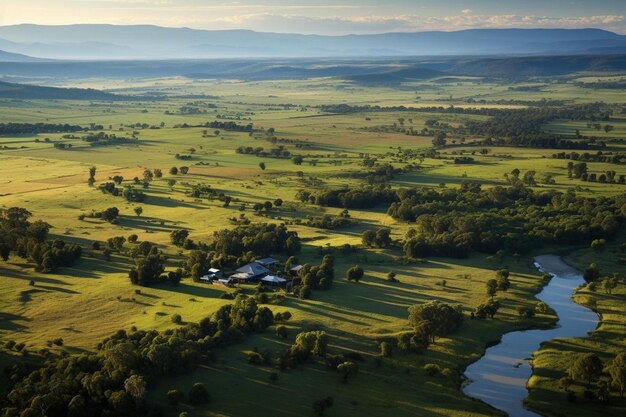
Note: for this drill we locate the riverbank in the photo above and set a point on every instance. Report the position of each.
(500, 377)
(551, 361)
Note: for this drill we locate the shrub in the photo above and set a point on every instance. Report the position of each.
(198, 394)
(174, 396)
(432, 369)
(305, 292)
(177, 319)
(386, 349)
(355, 273)
(281, 331)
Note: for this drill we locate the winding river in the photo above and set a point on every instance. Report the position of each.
(499, 378)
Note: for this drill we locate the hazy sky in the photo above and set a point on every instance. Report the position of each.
(323, 16)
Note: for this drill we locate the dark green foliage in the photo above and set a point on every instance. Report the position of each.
(198, 394)
(586, 367)
(366, 197)
(178, 237)
(174, 396)
(492, 287)
(307, 344)
(355, 273)
(441, 319)
(112, 381)
(28, 241)
(617, 371)
(453, 222)
(321, 276)
(487, 309)
(262, 239)
(592, 273)
(347, 370)
(378, 239)
(148, 270)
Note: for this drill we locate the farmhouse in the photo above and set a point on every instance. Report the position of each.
(252, 272)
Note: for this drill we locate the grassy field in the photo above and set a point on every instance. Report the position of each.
(87, 302)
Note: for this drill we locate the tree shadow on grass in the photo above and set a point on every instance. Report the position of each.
(207, 291)
(9, 321)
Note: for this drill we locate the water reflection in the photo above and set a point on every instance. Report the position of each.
(499, 378)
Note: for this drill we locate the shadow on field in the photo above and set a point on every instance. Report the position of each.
(194, 290)
(169, 202)
(9, 321)
(149, 224)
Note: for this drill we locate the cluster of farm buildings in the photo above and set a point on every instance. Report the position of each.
(263, 270)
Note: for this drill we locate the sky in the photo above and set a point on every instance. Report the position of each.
(324, 16)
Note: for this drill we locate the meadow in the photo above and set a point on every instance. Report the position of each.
(94, 298)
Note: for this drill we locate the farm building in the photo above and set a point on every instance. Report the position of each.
(266, 262)
(252, 272)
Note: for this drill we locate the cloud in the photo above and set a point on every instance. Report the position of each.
(403, 23)
(467, 11)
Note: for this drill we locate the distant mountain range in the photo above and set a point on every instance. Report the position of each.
(111, 42)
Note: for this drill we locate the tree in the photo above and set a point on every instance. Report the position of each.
(492, 287)
(110, 214)
(368, 238)
(355, 273)
(184, 170)
(442, 318)
(174, 396)
(598, 245)
(347, 370)
(262, 166)
(487, 309)
(198, 394)
(307, 344)
(297, 160)
(148, 270)
(586, 367)
(178, 237)
(173, 171)
(138, 211)
(529, 178)
(135, 386)
(592, 273)
(617, 370)
(278, 202)
(440, 139)
(503, 282)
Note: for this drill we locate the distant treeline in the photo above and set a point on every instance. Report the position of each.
(605, 85)
(33, 128)
(523, 123)
(231, 126)
(611, 158)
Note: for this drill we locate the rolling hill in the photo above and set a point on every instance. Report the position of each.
(31, 92)
(103, 42)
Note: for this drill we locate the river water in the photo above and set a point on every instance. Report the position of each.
(499, 377)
